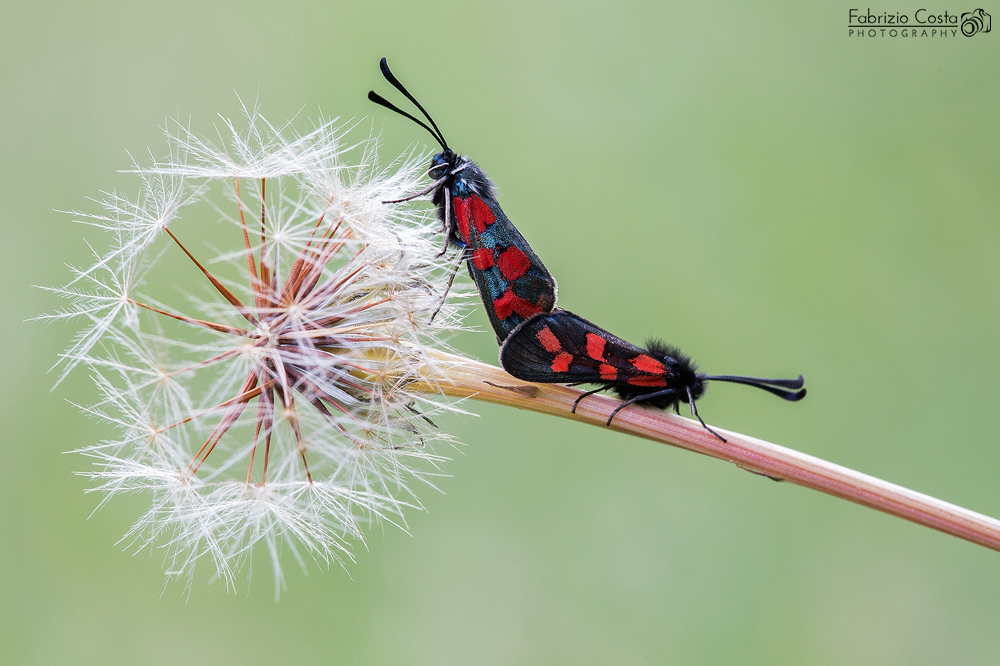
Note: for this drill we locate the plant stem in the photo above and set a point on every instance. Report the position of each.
(458, 376)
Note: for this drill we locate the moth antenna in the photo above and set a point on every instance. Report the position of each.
(694, 410)
(769, 385)
(378, 99)
(382, 101)
(797, 383)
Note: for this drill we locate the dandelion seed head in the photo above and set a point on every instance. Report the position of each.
(271, 402)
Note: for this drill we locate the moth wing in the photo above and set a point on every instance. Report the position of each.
(511, 279)
(536, 283)
(560, 347)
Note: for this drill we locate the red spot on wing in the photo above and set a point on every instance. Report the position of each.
(548, 340)
(482, 258)
(647, 380)
(561, 362)
(509, 303)
(595, 346)
(608, 372)
(513, 263)
(648, 364)
(461, 208)
(482, 216)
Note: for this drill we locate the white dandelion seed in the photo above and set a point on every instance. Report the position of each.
(278, 407)
(292, 405)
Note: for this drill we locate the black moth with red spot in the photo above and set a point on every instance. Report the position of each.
(561, 347)
(512, 281)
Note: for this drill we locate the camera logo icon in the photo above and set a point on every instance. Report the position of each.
(975, 22)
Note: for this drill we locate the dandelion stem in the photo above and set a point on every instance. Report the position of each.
(461, 377)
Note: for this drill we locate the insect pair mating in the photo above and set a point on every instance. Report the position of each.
(539, 342)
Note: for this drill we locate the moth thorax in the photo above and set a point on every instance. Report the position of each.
(683, 373)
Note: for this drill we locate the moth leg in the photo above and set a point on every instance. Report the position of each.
(410, 197)
(448, 225)
(462, 256)
(413, 410)
(639, 398)
(577, 401)
(703, 424)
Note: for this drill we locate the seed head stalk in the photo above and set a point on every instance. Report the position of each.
(479, 381)
(292, 403)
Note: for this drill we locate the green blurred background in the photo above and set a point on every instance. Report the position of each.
(751, 184)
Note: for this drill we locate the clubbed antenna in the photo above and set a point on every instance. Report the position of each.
(769, 385)
(378, 99)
